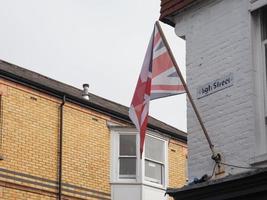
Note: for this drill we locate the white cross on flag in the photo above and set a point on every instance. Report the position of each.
(158, 78)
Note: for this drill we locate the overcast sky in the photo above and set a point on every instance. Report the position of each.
(100, 42)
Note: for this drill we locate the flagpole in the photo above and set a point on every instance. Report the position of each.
(214, 154)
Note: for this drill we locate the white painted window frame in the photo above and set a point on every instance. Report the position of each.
(127, 156)
(263, 44)
(140, 163)
(260, 85)
(114, 154)
(256, 4)
(149, 180)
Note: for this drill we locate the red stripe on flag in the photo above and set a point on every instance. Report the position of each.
(156, 38)
(138, 97)
(143, 134)
(161, 64)
(168, 87)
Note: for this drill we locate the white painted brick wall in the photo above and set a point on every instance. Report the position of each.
(218, 41)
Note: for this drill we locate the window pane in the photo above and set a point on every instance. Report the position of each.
(127, 145)
(127, 166)
(264, 23)
(154, 149)
(153, 172)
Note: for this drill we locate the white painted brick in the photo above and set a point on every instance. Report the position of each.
(218, 42)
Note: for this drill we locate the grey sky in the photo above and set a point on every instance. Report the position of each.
(101, 42)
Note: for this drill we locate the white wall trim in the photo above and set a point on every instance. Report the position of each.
(260, 160)
(256, 4)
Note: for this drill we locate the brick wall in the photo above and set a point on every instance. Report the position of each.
(177, 164)
(29, 146)
(218, 41)
(12, 194)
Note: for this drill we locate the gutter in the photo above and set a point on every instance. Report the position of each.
(61, 147)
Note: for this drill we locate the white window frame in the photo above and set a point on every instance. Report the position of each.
(127, 156)
(140, 163)
(263, 44)
(150, 180)
(114, 155)
(256, 4)
(166, 165)
(259, 62)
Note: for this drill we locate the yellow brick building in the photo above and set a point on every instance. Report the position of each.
(54, 144)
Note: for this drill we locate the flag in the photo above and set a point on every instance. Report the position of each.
(165, 79)
(158, 78)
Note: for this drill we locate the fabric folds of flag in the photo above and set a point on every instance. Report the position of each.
(158, 78)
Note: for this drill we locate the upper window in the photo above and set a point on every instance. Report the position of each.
(263, 33)
(127, 156)
(127, 167)
(264, 45)
(154, 160)
(264, 23)
(259, 31)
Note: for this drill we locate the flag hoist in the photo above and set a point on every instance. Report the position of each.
(160, 77)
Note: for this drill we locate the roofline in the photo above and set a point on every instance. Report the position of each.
(231, 187)
(82, 102)
(171, 7)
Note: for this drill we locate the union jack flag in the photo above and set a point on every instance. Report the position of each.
(158, 78)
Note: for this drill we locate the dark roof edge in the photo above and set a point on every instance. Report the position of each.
(167, 21)
(244, 183)
(81, 102)
(171, 8)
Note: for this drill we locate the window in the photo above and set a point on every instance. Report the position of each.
(154, 160)
(133, 177)
(263, 22)
(263, 36)
(127, 156)
(259, 38)
(126, 165)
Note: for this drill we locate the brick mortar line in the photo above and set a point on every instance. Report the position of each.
(178, 143)
(47, 192)
(33, 190)
(30, 189)
(68, 187)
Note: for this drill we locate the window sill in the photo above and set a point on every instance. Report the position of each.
(125, 183)
(147, 184)
(154, 185)
(260, 160)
